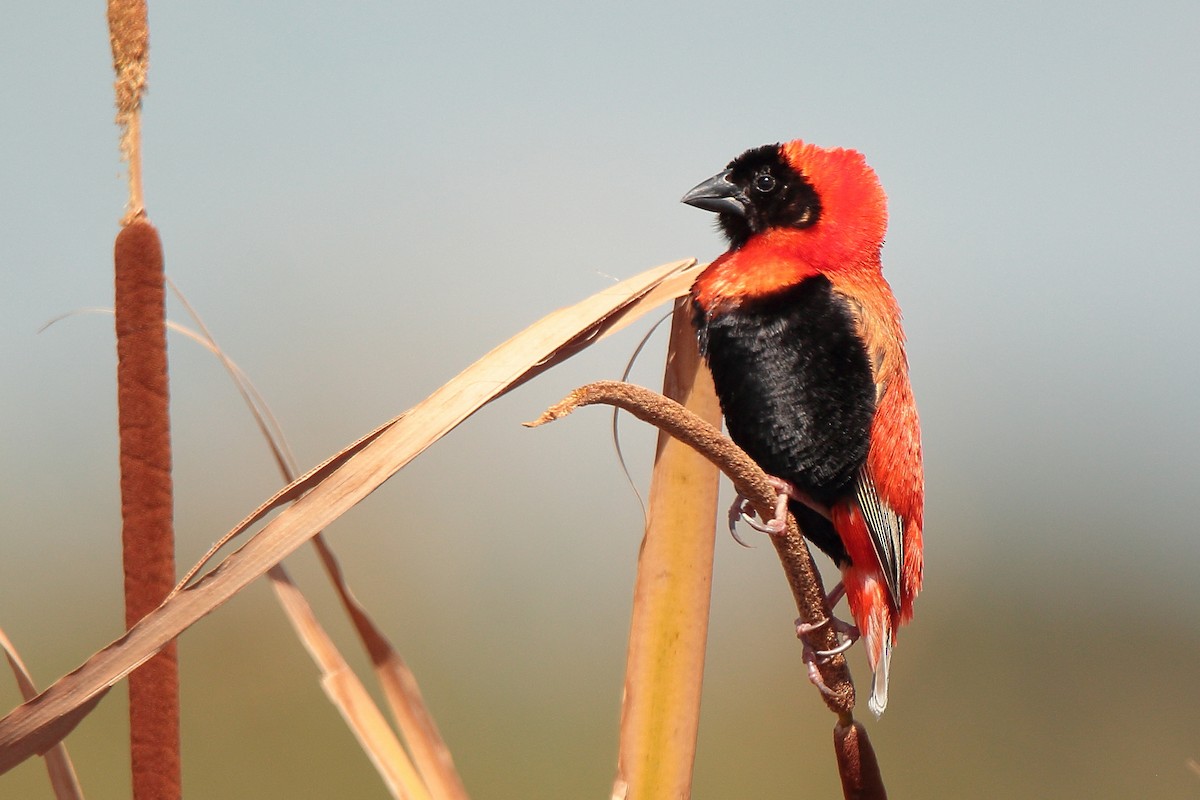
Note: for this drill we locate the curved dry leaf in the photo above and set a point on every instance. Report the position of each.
(434, 774)
(329, 490)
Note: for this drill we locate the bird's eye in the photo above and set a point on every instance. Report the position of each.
(764, 182)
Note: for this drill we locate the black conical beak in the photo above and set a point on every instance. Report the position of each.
(718, 194)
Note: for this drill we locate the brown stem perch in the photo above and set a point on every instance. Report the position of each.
(857, 764)
(751, 482)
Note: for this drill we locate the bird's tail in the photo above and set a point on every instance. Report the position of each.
(868, 598)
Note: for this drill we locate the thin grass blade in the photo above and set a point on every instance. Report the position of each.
(63, 779)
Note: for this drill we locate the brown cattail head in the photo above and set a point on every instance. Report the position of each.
(857, 765)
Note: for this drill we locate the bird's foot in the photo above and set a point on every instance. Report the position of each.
(843, 629)
(814, 657)
(840, 626)
(743, 511)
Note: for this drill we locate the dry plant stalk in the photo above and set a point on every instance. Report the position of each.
(147, 538)
(660, 712)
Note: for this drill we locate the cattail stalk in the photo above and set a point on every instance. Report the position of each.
(143, 421)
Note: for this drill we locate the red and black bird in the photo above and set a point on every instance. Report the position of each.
(803, 338)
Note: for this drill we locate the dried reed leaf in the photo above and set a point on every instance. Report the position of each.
(58, 764)
(365, 719)
(429, 750)
(349, 696)
(432, 756)
(664, 672)
(258, 405)
(334, 487)
(267, 424)
(342, 686)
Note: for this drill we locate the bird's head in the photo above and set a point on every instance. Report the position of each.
(830, 194)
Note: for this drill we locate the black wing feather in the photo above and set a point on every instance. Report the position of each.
(887, 532)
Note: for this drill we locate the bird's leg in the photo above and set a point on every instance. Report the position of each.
(788, 491)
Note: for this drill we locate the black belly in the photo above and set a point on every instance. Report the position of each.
(796, 389)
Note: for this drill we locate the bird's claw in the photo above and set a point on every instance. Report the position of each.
(743, 510)
(842, 628)
(813, 657)
(814, 672)
(737, 513)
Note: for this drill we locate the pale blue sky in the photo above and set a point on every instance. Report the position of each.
(362, 198)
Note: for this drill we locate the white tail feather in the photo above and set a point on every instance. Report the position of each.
(879, 690)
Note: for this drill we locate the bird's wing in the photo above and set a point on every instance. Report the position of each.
(886, 529)
(876, 342)
(885, 526)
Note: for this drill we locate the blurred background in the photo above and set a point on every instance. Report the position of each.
(363, 198)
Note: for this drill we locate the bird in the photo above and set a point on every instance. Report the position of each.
(802, 335)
